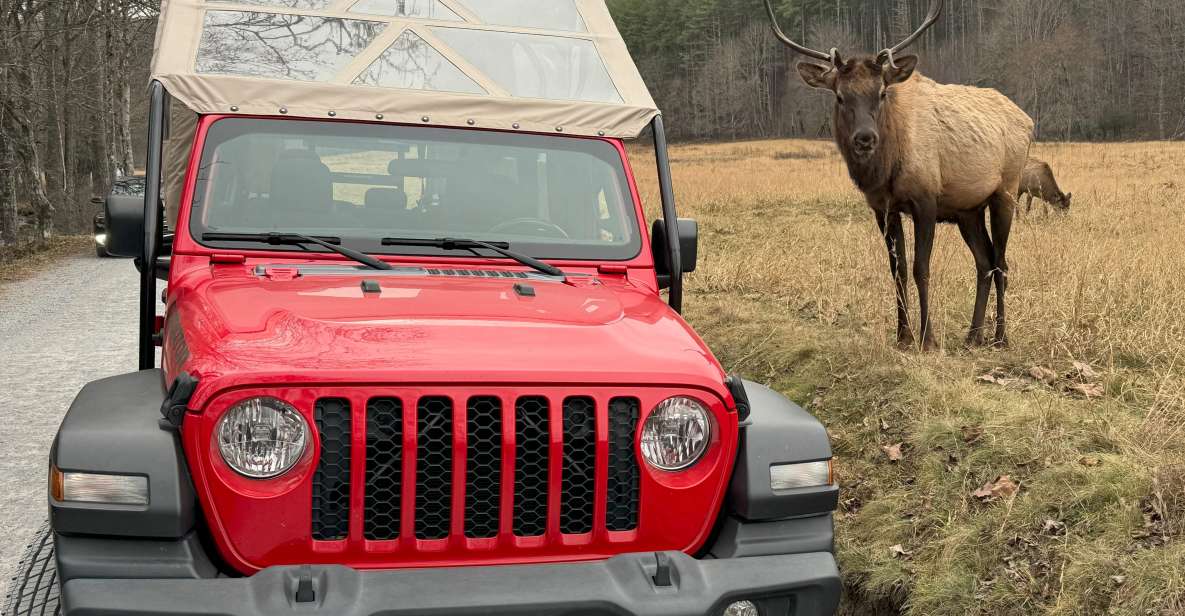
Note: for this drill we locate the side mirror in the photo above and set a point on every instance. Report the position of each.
(125, 225)
(688, 248)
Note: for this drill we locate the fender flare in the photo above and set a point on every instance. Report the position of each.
(115, 427)
(777, 431)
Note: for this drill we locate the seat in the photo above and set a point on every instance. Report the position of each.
(386, 208)
(302, 191)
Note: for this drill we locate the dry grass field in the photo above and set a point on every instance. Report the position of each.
(1084, 414)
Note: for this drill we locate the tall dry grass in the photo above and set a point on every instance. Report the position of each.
(793, 289)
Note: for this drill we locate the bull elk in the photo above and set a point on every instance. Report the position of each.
(934, 152)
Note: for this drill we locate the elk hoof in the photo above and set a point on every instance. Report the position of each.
(905, 341)
(930, 346)
(974, 340)
(1001, 342)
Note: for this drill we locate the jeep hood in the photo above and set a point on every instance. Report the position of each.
(246, 330)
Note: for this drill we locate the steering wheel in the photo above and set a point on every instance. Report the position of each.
(536, 226)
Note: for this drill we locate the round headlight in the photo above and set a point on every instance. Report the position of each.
(262, 438)
(676, 434)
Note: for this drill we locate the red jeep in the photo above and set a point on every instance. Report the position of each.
(414, 357)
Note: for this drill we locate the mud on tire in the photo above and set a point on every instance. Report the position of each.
(33, 590)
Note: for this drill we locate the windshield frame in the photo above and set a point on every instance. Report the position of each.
(613, 153)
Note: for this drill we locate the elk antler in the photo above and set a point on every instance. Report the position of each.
(931, 19)
(832, 57)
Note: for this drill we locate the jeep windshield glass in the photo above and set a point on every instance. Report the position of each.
(551, 197)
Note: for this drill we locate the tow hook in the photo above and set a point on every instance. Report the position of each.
(662, 571)
(304, 586)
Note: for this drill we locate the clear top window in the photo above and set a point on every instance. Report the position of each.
(301, 47)
(413, 9)
(413, 64)
(549, 15)
(314, 5)
(536, 66)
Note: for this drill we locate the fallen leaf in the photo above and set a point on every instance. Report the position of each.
(893, 452)
(1119, 579)
(1089, 461)
(971, 434)
(1043, 374)
(1053, 527)
(1087, 390)
(1002, 487)
(899, 551)
(1085, 371)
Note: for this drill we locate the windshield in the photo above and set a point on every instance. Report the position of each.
(548, 197)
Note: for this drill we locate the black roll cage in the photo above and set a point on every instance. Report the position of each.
(154, 219)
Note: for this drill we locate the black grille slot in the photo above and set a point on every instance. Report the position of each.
(434, 467)
(483, 467)
(531, 476)
(384, 468)
(331, 482)
(624, 493)
(579, 474)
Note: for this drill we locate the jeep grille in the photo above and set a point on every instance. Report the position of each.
(458, 457)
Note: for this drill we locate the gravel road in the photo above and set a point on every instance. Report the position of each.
(71, 324)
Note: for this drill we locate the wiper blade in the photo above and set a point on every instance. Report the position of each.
(502, 248)
(298, 239)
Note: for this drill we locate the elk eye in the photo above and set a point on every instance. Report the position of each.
(884, 94)
(839, 98)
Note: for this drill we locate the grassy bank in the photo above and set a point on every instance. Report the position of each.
(1048, 478)
(20, 262)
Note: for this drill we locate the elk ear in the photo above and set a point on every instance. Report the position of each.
(817, 76)
(902, 72)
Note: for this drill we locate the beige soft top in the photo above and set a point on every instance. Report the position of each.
(532, 65)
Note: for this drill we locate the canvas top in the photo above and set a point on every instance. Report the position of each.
(532, 65)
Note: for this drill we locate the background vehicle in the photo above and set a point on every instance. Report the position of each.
(130, 185)
(402, 348)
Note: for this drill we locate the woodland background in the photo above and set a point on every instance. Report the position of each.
(73, 76)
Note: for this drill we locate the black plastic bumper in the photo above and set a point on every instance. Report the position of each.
(796, 585)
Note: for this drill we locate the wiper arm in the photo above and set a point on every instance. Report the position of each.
(502, 248)
(298, 239)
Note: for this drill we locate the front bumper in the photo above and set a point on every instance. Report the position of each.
(794, 585)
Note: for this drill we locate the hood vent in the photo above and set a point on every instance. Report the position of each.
(465, 273)
(291, 272)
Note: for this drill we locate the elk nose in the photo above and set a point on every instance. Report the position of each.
(865, 140)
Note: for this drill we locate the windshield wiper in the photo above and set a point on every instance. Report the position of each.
(502, 248)
(297, 239)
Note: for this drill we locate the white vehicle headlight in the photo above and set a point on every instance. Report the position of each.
(676, 434)
(101, 239)
(262, 438)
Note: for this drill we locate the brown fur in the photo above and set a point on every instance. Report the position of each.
(941, 153)
(1038, 181)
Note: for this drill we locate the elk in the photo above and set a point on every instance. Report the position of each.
(1038, 181)
(934, 152)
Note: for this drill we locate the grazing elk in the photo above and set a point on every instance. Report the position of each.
(937, 153)
(1038, 181)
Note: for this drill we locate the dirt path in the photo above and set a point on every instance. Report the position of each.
(70, 323)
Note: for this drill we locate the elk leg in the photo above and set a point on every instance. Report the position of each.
(975, 234)
(925, 224)
(1028, 204)
(894, 234)
(1002, 207)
